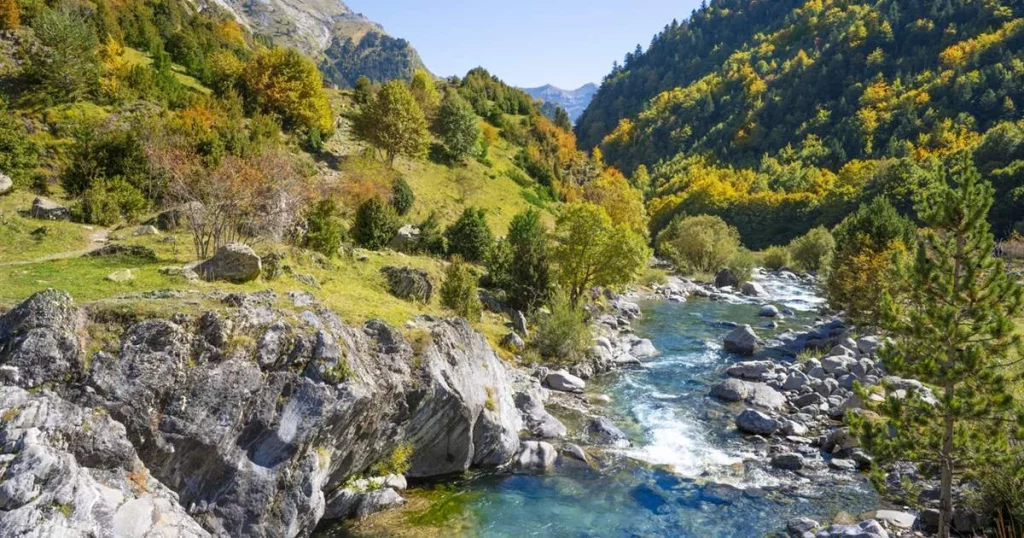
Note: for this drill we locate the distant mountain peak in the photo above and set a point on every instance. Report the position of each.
(573, 101)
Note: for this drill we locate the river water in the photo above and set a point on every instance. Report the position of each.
(681, 441)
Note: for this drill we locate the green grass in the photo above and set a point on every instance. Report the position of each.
(19, 243)
(137, 57)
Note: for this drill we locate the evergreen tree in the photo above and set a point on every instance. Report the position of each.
(952, 329)
(394, 123)
(458, 292)
(470, 237)
(65, 63)
(457, 126)
(562, 119)
(402, 197)
(363, 90)
(324, 228)
(376, 224)
(519, 264)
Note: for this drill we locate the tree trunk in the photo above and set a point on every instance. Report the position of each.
(946, 481)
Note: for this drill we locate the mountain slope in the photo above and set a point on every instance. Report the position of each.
(780, 116)
(348, 44)
(573, 101)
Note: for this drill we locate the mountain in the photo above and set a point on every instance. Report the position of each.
(573, 101)
(347, 44)
(787, 114)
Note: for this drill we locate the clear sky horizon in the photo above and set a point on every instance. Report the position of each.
(526, 43)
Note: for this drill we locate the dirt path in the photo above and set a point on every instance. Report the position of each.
(97, 239)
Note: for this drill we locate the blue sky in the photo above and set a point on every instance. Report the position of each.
(525, 42)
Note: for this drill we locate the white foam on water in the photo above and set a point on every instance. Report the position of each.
(676, 441)
(789, 293)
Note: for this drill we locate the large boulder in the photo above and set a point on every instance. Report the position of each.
(406, 240)
(725, 279)
(730, 390)
(751, 370)
(753, 289)
(6, 185)
(756, 422)
(364, 498)
(536, 456)
(742, 341)
(537, 420)
(71, 471)
(39, 338)
(409, 284)
(463, 413)
(234, 262)
(606, 433)
(177, 217)
(46, 209)
(563, 381)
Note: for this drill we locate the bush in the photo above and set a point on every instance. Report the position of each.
(19, 155)
(775, 258)
(324, 228)
(107, 202)
(376, 224)
(742, 265)
(431, 238)
(402, 196)
(562, 336)
(703, 243)
(814, 250)
(458, 292)
(470, 237)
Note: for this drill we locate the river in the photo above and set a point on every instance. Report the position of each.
(681, 441)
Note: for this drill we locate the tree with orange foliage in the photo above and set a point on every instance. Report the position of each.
(10, 15)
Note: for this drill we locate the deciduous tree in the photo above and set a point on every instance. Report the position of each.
(394, 123)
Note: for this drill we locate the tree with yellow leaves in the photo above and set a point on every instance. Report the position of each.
(284, 82)
(10, 15)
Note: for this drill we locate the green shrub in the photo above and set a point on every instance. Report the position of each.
(742, 265)
(19, 155)
(106, 202)
(432, 240)
(703, 243)
(458, 292)
(397, 463)
(814, 250)
(775, 258)
(376, 224)
(470, 237)
(402, 197)
(324, 228)
(562, 335)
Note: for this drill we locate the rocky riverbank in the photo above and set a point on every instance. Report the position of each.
(247, 418)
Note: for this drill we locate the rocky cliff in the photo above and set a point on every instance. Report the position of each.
(245, 419)
(573, 101)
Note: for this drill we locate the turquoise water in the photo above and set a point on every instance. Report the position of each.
(681, 441)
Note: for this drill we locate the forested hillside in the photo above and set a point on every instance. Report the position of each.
(783, 115)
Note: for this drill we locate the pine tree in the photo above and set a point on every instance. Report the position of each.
(951, 329)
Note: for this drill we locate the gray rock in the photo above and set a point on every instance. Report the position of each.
(606, 433)
(841, 464)
(730, 390)
(6, 185)
(894, 518)
(868, 345)
(574, 451)
(121, 276)
(536, 456)
(46, 209)
(742, 341)
(134, 252)
(717, 493)
(629, 308)
(519, 324)
(726, 278)
(751, 370)
(406, 240)
(763, 396)
(537, 420)
(356, 503)
(465, 415)
(800, 525)
(146, 230)
(563, 381)
(768, 311)
(795, 380)
(39, 337)
(756, 422)
(513, 342)
(752, 289)
(790, 461)
(643, 349)
(233, 262)
(409, 284)
(61, 458)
